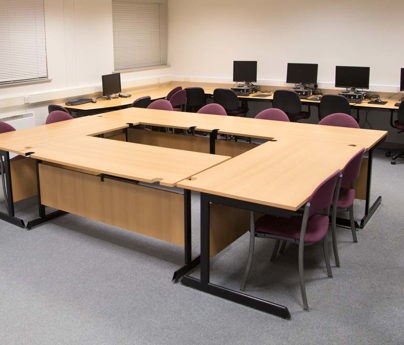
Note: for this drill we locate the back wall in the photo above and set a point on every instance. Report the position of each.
(205, 36)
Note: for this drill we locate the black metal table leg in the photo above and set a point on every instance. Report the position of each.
(204, 284)
(189, 263)
(43, 217)
(8, 191)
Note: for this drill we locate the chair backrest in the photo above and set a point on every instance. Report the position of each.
(53, 107)
(172, 92)
(400, 114)
(179, 100)
(196, 98)
(351, 170)
(5, 127)
(330, 104)
(161, 104)
(226, 98)
(141, 102)
(340, 120)
(272, 114)
(58, 115)
(288, 101)
(213, 109)
(322, 197)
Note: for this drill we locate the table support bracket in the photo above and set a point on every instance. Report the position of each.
(238, 297)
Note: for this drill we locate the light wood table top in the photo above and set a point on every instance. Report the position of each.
(249, 127)
(24, 140)
(102, 103)
(150, 164)
(281, 174)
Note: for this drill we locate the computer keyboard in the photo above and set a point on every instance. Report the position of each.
(79, 101)
(377, 102)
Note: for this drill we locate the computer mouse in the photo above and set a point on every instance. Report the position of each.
(93, 100)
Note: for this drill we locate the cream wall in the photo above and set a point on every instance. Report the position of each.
(79, 50)
(205, 36)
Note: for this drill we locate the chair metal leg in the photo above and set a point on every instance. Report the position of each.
(327, 256)
(250, 252)
(283, 246)
(334, 241)
(353, 228)
(275, 251)
(301, 275)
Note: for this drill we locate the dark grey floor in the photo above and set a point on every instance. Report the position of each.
(75, 281)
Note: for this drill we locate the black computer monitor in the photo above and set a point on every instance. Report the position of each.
(402, 80)
(111, 84)
(352, 77)
(302, 73)
(245, 71)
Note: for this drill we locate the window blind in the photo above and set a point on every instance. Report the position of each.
(22, 41)
(139, 33)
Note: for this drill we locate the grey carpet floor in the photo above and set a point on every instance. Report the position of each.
(75, 281)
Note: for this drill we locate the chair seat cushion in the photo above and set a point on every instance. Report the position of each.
(346, 198)
(399, 125)
(317, 227)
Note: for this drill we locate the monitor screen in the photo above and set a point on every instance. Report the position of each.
(245, 71)
(302, 73)
(111, 84)
(402, 80)
(352, 77)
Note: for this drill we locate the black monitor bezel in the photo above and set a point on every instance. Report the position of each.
(111, 84)
(296, 78)
(348, 70)
(402, 79)
(251, 73)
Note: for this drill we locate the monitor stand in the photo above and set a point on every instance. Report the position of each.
(303, 90)
(244, 88)
(353, 94)
(114, 96)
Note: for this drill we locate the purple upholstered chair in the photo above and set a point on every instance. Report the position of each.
(141, 102)
(179, 100)
(340, 120)
(172, 92)
(305, 228)
(161, 104)
(57, 115)
(5, 127)
(212, 109)
(272, 114)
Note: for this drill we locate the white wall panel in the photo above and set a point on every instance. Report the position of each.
(205, 36)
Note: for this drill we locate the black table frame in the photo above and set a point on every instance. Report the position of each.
(203, 283)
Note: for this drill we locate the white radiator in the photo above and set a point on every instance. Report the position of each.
(21, 121)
